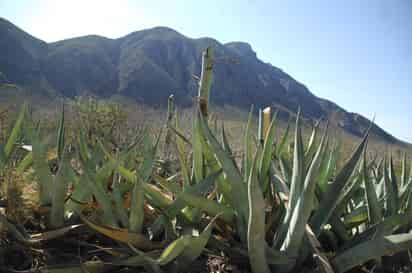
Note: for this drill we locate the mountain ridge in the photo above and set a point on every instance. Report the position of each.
(149, 64)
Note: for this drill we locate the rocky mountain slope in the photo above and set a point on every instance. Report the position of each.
(149, 65)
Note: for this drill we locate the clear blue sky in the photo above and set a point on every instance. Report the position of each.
(357, 53)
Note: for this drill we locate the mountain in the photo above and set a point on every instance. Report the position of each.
(149, 65)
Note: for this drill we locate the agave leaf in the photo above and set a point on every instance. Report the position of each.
(296, 183)
(311, 148)
(394, 179)
(233, 175)
(16, 233)
(391, 191)
(377, 170)
(169, 119)
(181, 154)
(60, 136)
(285, 170)
(174, 249)
(53, 234)
(15, 132)
(408, 204)
(410, 174)
(385, 227)
(403, 172)
(304, 206)
(136, 217)
(339, 228)
(380, 188)
(206, 79)
(357, 216)
(223, 186)
(256, 224)
(145, 169)
(406, 184)
(323, 175)
(211, 207)
(130, 176)
(328, 168)
(404, 195)
(282, 144)
(180, 135)
(197, 189)
(80, 195)
(266, 156)
(103, 174)
(248, 144)
(197, 148)
(333, 192)
(186, 249)
(88, 266)
(153, 195)
(122, 235)
(83, 149)
(96, 186)
(322, 260)
(59, 190)
(37, 238)
(372, 249)
(373, 206)
(156, 197)
(349, 193)
(172, 211)
(267, 113)
(142, 259)
(197, 244)
(168, 184)
(119, 201)
(41, 168)
(225, 141)
(206, 185)
(25, 162)
(260, 127)
(2, 157)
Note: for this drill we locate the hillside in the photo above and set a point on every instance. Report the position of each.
(150, 64)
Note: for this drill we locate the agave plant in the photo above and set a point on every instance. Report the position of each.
(7, 148)
(276, 208)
